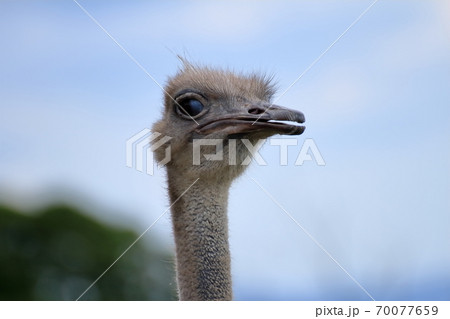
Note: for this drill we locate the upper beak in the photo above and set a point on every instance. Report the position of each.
(256, 119)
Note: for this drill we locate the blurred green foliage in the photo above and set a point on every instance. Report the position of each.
(57, 252)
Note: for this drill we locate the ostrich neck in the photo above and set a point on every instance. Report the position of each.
(200, 226)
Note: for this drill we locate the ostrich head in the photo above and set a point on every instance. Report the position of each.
(203, 103)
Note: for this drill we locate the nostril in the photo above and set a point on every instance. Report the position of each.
(256, 111)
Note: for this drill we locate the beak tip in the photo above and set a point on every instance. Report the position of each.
(301, 130)
(301, 118)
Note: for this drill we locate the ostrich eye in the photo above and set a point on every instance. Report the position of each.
(190, 107)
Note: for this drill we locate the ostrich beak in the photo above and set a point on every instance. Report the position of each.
(256, 119)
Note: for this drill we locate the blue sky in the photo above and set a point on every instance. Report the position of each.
(376, 104)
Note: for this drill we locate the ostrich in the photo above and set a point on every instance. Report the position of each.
(205, 103)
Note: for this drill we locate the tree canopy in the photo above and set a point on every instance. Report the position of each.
(57, 252)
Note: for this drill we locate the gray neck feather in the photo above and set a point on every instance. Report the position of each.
(200, 226)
